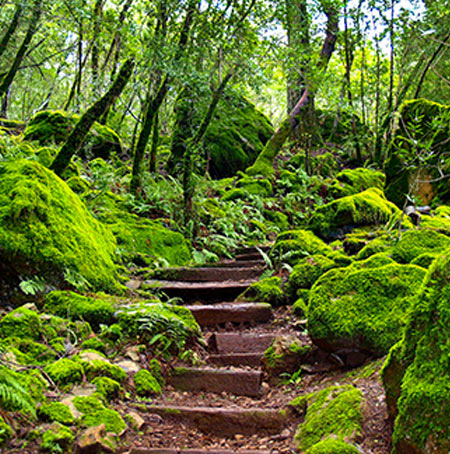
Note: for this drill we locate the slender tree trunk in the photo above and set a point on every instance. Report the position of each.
(77, 137)
(11, 29)
(95, 49)
(155, 142)
(34, 21)
(391, 58)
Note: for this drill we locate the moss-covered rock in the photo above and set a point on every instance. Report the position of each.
(417, 242)
(96, 311)
(146, 384)
(94, 413)
(56, 412)
(293, 245)
(261, 187)
(65, 372)
(45, 229)
(57, 438)
(53, 127)
(333, 446)
(268, 290)
(108, 388)
(100, 368)
(369, 207)
(306, 272)
(156, 370)
(353, 181)
(334, 412)
(94, 343)
(28, 351)
(22, 323)
(416, 375)
(362, 309)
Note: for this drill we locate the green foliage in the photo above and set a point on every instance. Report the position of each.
(5, 432)
(96, 311)
(46, 228)
(95, 413)
(56, 411)
(362, 308)
(108, 388)
(334, 412)
(353, 181)
(14, 393)
(146, 384)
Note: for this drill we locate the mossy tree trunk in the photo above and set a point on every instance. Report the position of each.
(155, 142)
(34, 21)
(11, 29)
(77, 137)
(302, 115)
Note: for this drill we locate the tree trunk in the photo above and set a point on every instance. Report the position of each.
(11, 29)
(95, 49)
(34, 21)
(155, 142)
(77, 137)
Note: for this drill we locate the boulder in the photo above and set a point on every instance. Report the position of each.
(353, 181)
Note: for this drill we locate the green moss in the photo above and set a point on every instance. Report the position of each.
(45, 227)
(374, 261)
(300, 306)
(22, 323)
(235, 194)
(94, 343)
(53, 127)
(365, 208)
(261, 187)
(293, 245)
(99, 368)
(167, 319)
(6, 432)
(425, 260)
(325, 164)
(280, 220)
(416, 375)
(269, 290)
(28, 351)
(95, 413)
(78, 185)
(333, 412)
(108, 388)
(382, 244)
(306, 272)
(78, 307)
(57, 439)
(353, 181)
(417, 242)
(65, 372)
(362, 309)
(284, 355)
(145, 384)
(332, 446)
(155, 369)
(56, 411)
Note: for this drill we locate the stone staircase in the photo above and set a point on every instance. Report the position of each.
(233, 366)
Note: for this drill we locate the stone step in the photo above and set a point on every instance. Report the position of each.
(207, 274)
(248, 256)
(240, 342)
(217, 314)
(253, 249)
(194, 451)
(201, 291)
(237, 382)
(224, 421)
(236, 359)
(259, 262)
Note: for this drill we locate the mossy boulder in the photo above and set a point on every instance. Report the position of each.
(261, 187)
(333, 446)
(416, 374)
(46, 230)
(293, 245)
(58, 438)
(141, 240)
(146, 384)
(22, 323)
(95, 311)
(27, 351)
(99, 368)
(268, 290)
(108, 388)
(56, 412)
(367, 208)
(65, 372)
(362, 309)
(354, 181)
(306, 272)
(94, 413)
(53, 127)
(414, 243)
(332, 413)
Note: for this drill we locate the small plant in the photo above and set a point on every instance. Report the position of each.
(76, 280)
(33, 286)
(13, 395)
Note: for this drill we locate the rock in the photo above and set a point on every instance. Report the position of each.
(94, 441)
(137, 421)
(352, 181)
(416, 375)
(91, 356)
(361, 310)
(130, 367)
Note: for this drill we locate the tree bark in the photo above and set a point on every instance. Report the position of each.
(11, 29)
(77, 137)
(98, 7)
(34, 21)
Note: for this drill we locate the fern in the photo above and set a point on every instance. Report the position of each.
(13, 395)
